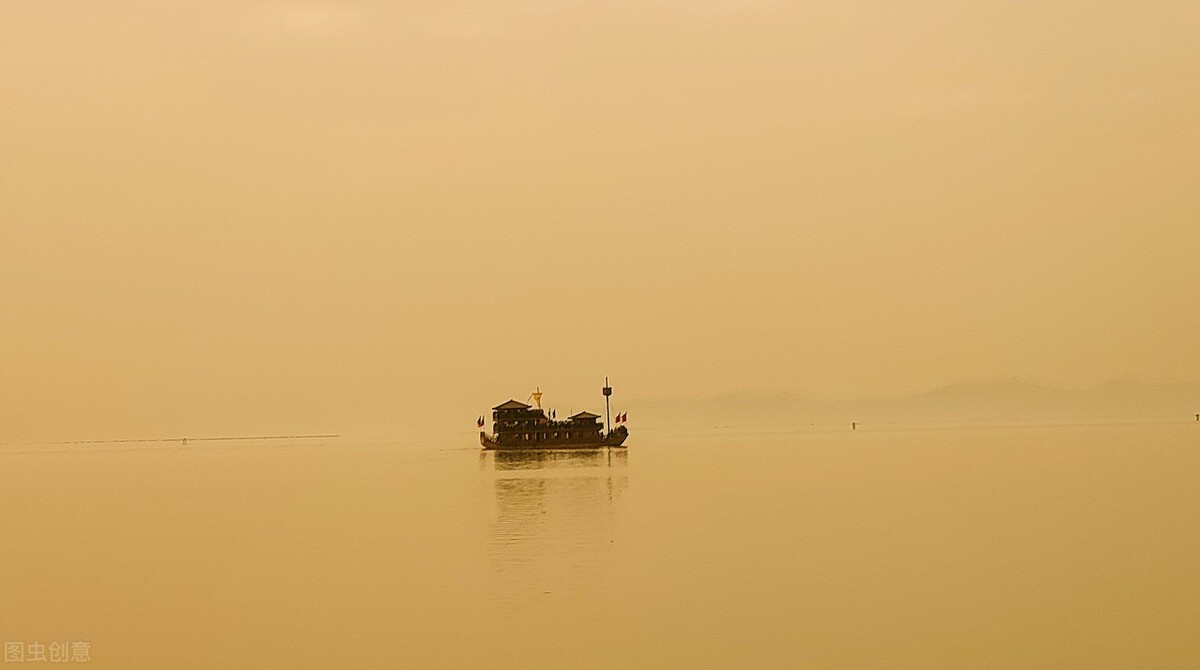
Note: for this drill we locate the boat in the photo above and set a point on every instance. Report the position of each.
(518, 426)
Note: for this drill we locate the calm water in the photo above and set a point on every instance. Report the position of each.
(1056, 547)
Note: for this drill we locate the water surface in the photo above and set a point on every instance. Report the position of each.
(1038, 546)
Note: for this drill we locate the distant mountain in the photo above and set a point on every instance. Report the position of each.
(994, 401)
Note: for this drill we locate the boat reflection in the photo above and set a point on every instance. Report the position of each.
(571, 482)
(538, 459)
(554, 517)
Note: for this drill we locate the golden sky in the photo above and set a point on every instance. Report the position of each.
(229, 216)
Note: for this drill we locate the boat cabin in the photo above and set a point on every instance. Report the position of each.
(518, 424)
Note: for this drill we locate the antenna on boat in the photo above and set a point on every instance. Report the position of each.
(607, 417)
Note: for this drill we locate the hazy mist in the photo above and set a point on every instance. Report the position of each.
(257, 217)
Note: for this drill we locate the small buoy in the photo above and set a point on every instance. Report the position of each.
(853, 425)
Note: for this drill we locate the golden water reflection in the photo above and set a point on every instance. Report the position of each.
(553, 526)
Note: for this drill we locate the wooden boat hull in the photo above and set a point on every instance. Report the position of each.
(614, 439)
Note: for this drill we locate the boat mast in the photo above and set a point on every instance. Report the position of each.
(607, 416)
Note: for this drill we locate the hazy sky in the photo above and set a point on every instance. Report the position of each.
(229, 216)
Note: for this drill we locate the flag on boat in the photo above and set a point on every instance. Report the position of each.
(479, 422)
